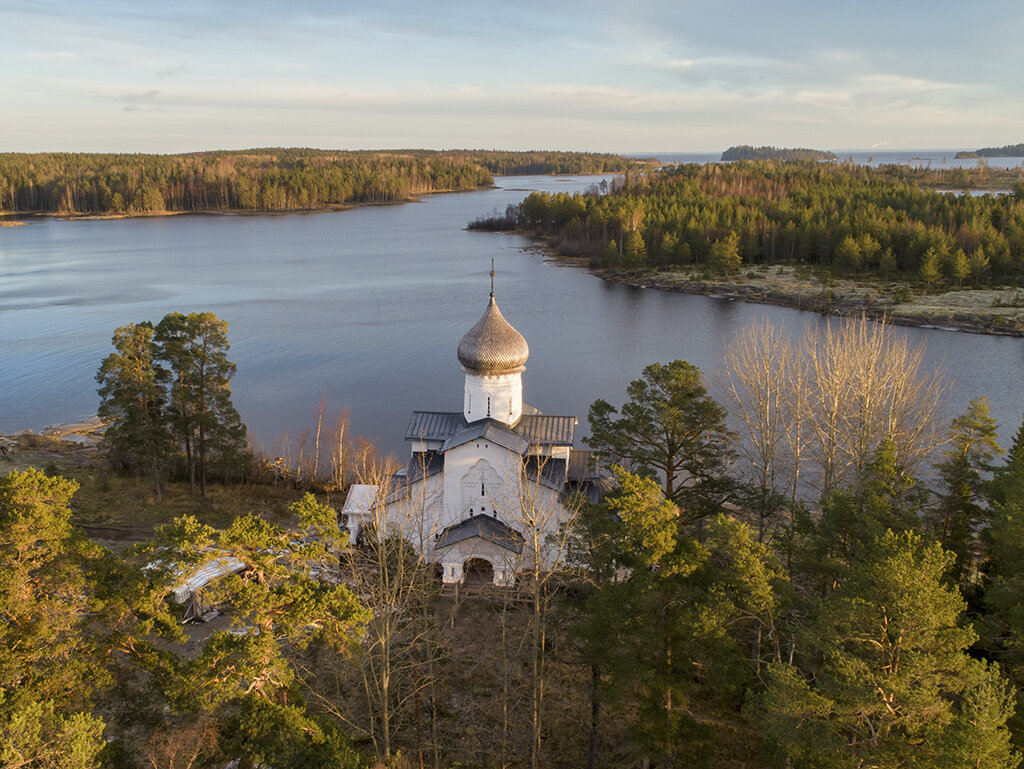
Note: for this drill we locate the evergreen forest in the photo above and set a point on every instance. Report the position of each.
(746, 152)
(1007, 151)
(275, 179)
(848, 219)
(819, 568)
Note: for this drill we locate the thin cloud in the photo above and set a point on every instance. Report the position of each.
(173, 71)
(137, 101)
(53, 55)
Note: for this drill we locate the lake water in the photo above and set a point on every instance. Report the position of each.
(366, 307)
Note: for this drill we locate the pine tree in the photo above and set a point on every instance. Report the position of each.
(634, 249)
(670, 626)
(725, 255)
(133, 403)
(931, 271)
(883, 677)
(49, 660)
(1007, 484)
(963, 472)
(204, 420)
(672, 428)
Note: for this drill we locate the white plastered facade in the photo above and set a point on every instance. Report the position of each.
(482, 486)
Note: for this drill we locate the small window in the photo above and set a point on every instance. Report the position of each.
(488, 405)
(481, 488)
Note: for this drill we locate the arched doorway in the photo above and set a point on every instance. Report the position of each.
(477, 572)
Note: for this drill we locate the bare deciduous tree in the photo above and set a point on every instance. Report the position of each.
(543, 516)
(382, 696)
(758, 365)
(829, 402)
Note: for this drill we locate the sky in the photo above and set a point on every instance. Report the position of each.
(626, 76)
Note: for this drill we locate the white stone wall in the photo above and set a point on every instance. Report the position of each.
(465, 466)
(443, 500)
(497, 396)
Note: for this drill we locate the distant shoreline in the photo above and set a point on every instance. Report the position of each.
(223, 212)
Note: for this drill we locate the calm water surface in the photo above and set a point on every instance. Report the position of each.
(366, 307)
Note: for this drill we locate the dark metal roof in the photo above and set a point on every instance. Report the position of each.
(397, 487)
(545, 430)
(538, 429)
(549, 472)
(434, 425)
(493, 346)
(485, 527)
(586, 475)
(584, 465)
(489, 430)
(424, 464)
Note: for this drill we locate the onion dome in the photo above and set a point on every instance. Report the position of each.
(493, 346)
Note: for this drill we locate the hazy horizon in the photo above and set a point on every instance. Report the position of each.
(627, 153)
(113, 76)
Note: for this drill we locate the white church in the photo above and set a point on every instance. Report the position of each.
(486, 489)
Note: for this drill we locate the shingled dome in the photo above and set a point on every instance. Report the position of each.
(492, 346)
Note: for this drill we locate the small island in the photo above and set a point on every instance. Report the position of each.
(746, 152)
(1007, 151)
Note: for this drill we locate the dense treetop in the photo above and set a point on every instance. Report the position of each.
(1007, 151)
(746, 152)
(539, 162)
(852, 219)
(269, 179)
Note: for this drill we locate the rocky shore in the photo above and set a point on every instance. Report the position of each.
(63, 445)
(980, 311)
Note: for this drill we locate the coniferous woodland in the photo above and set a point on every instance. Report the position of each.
(815, 570)
(852, 220)
(274, 179)
(1006, 151)
(746, 152)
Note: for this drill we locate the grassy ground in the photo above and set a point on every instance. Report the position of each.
(116, 510)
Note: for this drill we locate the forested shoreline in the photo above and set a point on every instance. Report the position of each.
(852, 220)
(261, 180)
(747, 152)
(1006, 151)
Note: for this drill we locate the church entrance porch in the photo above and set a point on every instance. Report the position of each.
(474, 571)
(477, 572)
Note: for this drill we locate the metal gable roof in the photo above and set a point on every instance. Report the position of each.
(424, 465)
(585, 465)
(537, 429)
(485, 527)
(434, 425)
(545, 430)
(546, 471)
(489, 430)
